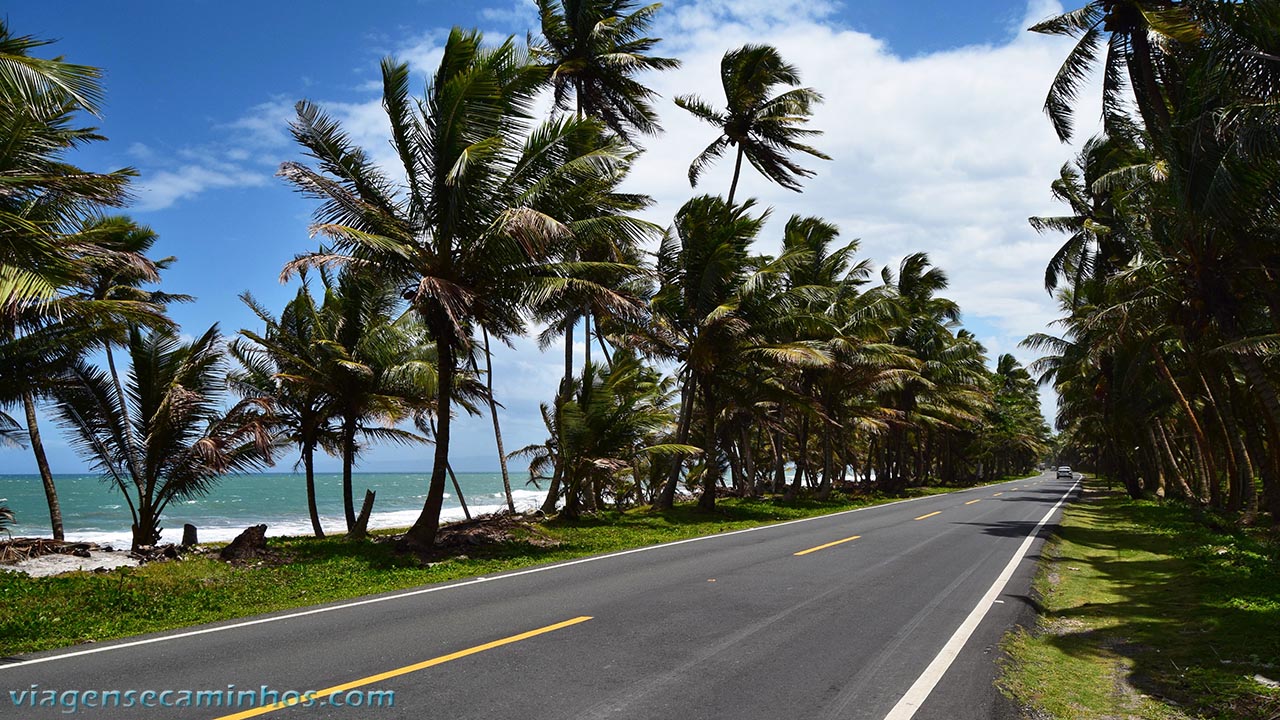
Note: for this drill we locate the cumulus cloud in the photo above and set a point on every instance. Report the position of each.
(265, 126)
(161, 189)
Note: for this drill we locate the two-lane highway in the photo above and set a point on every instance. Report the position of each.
(890, 611)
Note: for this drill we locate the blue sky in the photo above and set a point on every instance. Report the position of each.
(932, 119)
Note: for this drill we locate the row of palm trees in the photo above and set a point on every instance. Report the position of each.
(497, 222)
(1166, 367)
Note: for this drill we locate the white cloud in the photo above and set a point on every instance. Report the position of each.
(159, 190)
(266, 125)
(517, 15)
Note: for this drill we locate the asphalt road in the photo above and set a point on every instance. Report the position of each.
(738, 626)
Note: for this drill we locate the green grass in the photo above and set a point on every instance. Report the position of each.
(1149, 613)
(42, 613)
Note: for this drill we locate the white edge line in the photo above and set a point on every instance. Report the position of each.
(920, 689)
(438, 588)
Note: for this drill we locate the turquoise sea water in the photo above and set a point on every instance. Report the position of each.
(95, 511)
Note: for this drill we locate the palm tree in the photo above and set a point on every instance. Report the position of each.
(1130, 27)
(374, 369)
(463, 243)
(283, 365)
(593, 49)
(43, 195)
(598, 267)
(101, 300)
(182, 438)
(611, 422)
(701, 269)
(763, 127)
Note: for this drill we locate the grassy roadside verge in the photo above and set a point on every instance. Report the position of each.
(1149, 613)
(43, 613)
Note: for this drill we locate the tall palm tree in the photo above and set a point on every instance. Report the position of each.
(765, 128)
(182, 437)
(43, 196)
(1132, 58)
(593, 50)
(463, 243)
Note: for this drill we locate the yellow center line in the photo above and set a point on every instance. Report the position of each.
(997, 494)
(973, 501)
(325, 693)
(824, 547)
(922, 517)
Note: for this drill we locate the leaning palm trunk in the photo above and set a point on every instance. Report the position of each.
(1175, 471)
(308, 462)
(1201, 440)
(667, 497)
(497, 428)
(421, 535)
(42, 463)
(1270, 402)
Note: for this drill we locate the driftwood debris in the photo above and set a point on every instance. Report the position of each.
(19, 549)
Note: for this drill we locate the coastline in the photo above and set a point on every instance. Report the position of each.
(96, 513)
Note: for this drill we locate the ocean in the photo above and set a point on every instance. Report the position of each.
(95, 511)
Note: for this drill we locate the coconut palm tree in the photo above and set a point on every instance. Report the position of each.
(763, 127)
(283, 366)
(611, 422)
(374, 369)
(1137, 34)
(593, 50)
(182, 437)
(101, 300)
(44, 196)
(463, 242)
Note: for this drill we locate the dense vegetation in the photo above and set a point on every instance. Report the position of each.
(1166, 367)
(718, 370)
